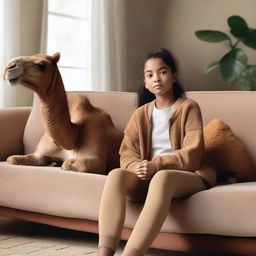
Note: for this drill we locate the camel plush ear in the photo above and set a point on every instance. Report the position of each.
(56, 57)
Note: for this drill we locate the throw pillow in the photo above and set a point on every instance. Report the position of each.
(227, 154)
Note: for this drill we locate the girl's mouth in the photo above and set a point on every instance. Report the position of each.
(158, 86)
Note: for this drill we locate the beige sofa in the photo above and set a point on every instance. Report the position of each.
(222, 218)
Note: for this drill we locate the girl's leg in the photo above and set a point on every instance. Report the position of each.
(164, 186)
(119, 183)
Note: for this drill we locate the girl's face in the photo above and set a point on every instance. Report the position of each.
(158, 77)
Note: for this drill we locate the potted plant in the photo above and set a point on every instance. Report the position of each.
(234, 64)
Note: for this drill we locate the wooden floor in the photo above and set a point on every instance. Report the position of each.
(21, 238)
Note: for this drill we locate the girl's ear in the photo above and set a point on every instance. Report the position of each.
(174, 77)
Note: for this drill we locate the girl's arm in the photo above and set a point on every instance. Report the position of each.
(189, 157)
(130, 151)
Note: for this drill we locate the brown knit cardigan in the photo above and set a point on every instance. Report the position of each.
(186, 138)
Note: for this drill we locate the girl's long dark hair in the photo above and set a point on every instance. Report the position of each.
(145, 95)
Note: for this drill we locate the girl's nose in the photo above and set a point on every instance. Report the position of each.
(156, 78)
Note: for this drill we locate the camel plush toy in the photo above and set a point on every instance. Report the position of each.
(79, 136)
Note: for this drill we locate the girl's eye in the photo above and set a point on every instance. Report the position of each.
(149, 76)
(163, 72)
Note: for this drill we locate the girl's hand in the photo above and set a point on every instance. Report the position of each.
(146, 169)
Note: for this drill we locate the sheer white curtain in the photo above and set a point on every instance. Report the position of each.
(108, 45)
(20, 34)
(44, 30)
(10, 45)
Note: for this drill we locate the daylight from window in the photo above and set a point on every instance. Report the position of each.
(69, 32)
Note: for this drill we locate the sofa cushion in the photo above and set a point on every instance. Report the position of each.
(226, 153)
(234, 108)
(51, 191)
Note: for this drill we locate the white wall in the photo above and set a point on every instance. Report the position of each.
(146, 31)
(152, 24)
(187, 16)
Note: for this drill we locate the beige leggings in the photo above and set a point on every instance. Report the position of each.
(158, 192)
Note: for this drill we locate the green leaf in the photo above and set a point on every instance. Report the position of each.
(211, 36)
(211, 66)
(233, 64)
(250, 39)
(238, 26)
(248, 78)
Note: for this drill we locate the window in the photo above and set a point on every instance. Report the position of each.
(69, 32)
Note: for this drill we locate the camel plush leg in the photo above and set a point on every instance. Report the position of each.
(30, 159)
(92, 164)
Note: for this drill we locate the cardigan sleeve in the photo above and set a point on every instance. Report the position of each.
(130, 148)
(189, 156)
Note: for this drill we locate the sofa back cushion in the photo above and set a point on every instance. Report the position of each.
(235, 108)
(120, 106)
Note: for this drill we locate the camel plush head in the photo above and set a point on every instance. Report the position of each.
(36, 72)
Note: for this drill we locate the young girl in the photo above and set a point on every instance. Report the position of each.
(161, 154)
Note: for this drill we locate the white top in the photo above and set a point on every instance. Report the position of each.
(160, 133)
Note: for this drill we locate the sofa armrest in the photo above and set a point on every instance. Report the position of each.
(12, 125)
